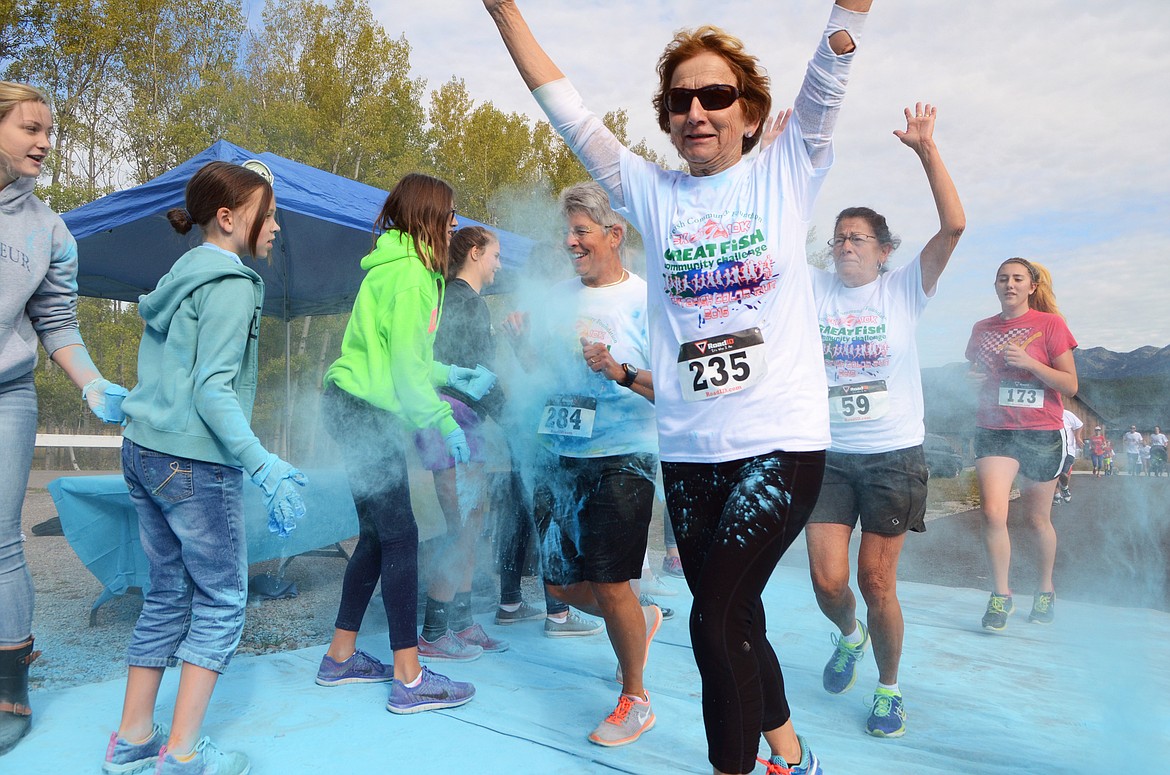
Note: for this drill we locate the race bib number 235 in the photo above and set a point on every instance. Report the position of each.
(722, 364)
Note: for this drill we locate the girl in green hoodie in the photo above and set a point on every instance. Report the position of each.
(377, 393)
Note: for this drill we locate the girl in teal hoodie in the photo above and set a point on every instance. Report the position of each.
(377, 393)
(187, 438)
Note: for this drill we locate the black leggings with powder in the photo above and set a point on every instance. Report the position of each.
(733, 522)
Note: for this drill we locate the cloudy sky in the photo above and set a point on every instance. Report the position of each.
(1049, 122)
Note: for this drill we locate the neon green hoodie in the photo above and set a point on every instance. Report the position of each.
(387, 353)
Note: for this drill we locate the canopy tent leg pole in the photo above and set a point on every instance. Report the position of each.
(286, 441)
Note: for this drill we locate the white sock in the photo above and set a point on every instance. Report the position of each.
(416, 681)
(890, 687)
(560, 618)
(510, 607)
(854, 638)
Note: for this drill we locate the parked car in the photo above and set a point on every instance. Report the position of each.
(941, 458)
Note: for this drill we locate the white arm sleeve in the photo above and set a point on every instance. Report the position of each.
(823, 89)
(586, 136)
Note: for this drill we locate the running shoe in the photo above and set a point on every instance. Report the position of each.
(434, 692)
(672, 566)
(125, 758)
(1056, 501)
(1043, 608)
(808, 765)
(629, 720)
(208, 760)
(360, 668)
(887, 715)
(1066, 494)
(574, 626)
(447, 648)
(841, 671)
(524, 613)
(646, 600)
(475, 636)
(999, 608)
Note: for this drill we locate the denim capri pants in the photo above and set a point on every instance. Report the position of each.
(191, 521)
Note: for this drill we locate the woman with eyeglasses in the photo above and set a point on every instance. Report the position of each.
(1023, 358)
(734, 333)
(875, 471)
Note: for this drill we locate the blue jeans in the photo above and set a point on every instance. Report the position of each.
(18, 433)
(191, 521)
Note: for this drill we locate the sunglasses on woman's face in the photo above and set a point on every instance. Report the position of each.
(717, 96)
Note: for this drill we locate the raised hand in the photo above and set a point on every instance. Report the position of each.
(773, 127)
(919, 126)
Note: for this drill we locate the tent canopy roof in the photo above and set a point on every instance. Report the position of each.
(125, 243)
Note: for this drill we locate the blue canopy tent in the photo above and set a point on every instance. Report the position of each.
(125, 243)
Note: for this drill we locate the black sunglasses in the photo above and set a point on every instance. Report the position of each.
(714, 97)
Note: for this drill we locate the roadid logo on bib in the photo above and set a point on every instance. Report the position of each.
(721, 364)
(1021, 395)
(859, 402)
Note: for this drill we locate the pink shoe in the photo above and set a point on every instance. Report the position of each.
(448, 648)
(475, 636)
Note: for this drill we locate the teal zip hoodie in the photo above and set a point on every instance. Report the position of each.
(197, 362)
(387, 353)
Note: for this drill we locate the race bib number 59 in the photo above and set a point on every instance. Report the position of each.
(859, 402)
(722, 364)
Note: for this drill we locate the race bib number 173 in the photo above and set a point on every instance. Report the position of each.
(722, 364)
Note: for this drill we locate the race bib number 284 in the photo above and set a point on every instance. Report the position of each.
(722, 364)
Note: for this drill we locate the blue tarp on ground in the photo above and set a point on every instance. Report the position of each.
(125, 243)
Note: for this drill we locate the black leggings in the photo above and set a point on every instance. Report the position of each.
(733, 522)
(371, 442)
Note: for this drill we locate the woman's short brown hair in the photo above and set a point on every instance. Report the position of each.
(750, 78)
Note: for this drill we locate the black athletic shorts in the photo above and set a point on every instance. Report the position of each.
(593, 516)
(1039, 453)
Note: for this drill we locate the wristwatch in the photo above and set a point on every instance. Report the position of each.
(631, 375)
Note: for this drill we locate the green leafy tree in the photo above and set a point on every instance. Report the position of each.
(479, 149)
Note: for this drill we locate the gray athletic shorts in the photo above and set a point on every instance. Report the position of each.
(885, 490)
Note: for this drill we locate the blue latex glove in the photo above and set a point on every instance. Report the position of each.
(105, 399)
(276, 478)
(474, 382)
(457, 446)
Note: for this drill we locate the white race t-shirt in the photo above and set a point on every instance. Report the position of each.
(733, 264)
(871, 358)
(1072, 424)
(1132, 441)
(584, 414)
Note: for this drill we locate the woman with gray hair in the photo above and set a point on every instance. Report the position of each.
(597, 455)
